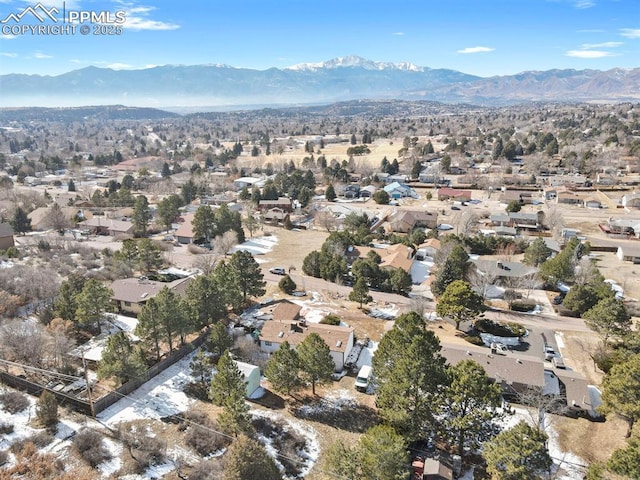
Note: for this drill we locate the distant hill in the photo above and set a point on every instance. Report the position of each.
(77, 114)
(340, 79)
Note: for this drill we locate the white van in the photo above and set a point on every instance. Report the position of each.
(362, 380)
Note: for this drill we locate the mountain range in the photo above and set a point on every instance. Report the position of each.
(346, 78)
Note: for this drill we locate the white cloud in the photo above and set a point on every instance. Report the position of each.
(589, 46)
(584, 4)
(398, 34)
(8, 54)
(135, 23)
(137, 18)
(7, 37)
(476, 50)
(630, 32)
(589, 54)
(41, 56)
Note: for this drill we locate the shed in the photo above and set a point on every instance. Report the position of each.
(251, 374)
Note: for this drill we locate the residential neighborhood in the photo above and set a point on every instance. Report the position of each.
(215, 287)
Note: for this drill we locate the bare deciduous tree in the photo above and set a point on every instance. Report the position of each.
(22, 342)
(326, 220)
(223, 243)
(206, 263)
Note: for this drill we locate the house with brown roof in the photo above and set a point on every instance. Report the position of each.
(6, 236)
(405, 221)
(283, 202)
(339, 339)
(286, 311)
(108, 226)
(397, 256)
(448, 193)
(131, 294)
(276, 216)
(184, 233)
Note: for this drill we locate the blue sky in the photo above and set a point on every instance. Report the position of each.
(481, 37)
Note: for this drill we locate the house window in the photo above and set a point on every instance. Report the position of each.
(127, 304)
(267, 344)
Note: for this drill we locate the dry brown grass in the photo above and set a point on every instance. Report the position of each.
(591, 441)
(293, 246)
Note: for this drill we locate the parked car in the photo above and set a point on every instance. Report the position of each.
(549, 352)
(278, 271)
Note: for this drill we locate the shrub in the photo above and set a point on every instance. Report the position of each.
(499, 329)
(4, 457)
(14, 402)
(474, 340)
(47, 410)
(201, 433)
(89, 444)
(144, 449)
(40, 440)
(287, 285)
(522, 306)
(204, 440)
(331, 320)
(6, 428)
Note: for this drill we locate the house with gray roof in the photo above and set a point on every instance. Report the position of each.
(131, 294)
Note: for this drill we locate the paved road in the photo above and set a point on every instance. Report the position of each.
(545, 322)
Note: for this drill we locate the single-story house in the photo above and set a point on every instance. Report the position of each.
(569, 198)
(6, 236)
(368, 191)
(283, 203)
(397, 256)
(249, 182)
(501, 231)
(631, 200)
(514, 372)
(524, 197)
(108, 226)
(41, 216)
(592, 203)
(405, 221)
(130, 294)
(339, 339)
(447, 193)
(629, 253)
(399, 190)
(184, 234)
(500, 219)
(251, 374)
(500, 269)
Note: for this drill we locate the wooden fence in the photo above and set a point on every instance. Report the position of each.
(102, 403)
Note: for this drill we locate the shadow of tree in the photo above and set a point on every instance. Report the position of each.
(343, 413)
(269, 400)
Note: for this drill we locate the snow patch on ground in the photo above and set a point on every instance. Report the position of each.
(159, 397)
(257, 245)
(312, 446)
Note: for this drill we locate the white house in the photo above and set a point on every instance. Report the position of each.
(339, 339)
